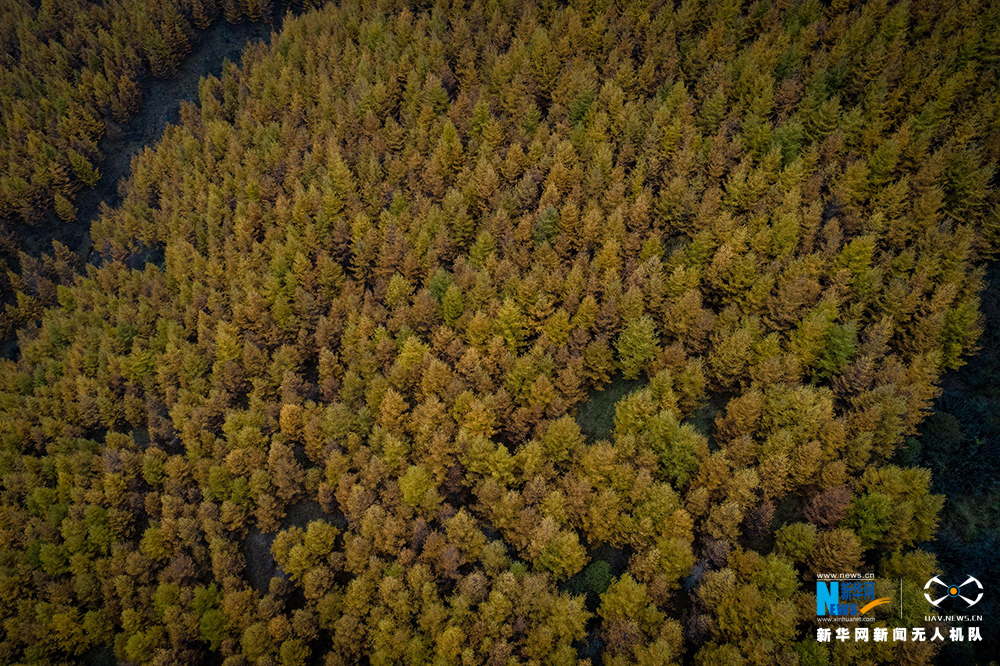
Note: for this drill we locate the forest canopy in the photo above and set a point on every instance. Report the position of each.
(351, 303)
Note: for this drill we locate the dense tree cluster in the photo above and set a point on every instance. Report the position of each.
(381, 265)
(66, 67)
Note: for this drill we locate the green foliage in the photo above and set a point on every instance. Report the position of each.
(597, 576)
(561, 554)
(547, 226)
(812, 653)
(796, 541)
(841, 345)
(452, 304)
(869, 517)
(484, 246)
(897, 508)
(628, 598)
(440, 283)
(561, 439)
(636, 346)
(418, 488)
(213, 627)
(679, 447)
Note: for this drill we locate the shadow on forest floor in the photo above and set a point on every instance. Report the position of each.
(101, 655)
(960, 443)
(256, 545)
(596, 416)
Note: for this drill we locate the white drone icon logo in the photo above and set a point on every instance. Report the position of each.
(954, 591)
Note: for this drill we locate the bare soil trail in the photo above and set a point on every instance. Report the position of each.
(161, 103)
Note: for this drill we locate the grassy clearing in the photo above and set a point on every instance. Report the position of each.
(597, 416)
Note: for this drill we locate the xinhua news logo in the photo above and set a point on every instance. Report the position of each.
(846, 598)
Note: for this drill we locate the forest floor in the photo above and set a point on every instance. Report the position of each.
(596, 416)
(960, 443)
(256, 546)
